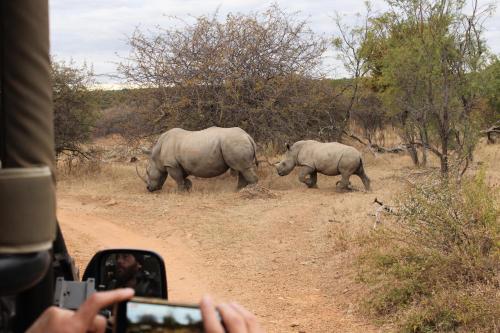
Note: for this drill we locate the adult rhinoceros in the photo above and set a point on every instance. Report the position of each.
(206, 153)
(331, 159)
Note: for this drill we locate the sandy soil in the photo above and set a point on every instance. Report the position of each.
(286, 252)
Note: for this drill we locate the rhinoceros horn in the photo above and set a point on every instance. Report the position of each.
(138, 174)
(145, 151)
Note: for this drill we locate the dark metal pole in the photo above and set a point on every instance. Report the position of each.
(26, 119)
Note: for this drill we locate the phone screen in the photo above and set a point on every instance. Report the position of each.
(158, 316)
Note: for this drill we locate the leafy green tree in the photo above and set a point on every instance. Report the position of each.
(427, 62)
(353, 49)
(490, 80)
(74, 111)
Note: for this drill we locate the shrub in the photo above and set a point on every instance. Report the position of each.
(74, 112)
(438, 267)
(259, 71)
(74, 165)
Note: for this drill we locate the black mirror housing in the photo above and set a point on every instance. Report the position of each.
(142, 270)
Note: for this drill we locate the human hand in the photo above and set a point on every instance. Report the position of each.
(236, 318)
(85, 319)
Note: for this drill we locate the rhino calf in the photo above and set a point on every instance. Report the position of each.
(206, 153)
(331, 159)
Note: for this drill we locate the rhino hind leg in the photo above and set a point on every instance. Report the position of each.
(246, 177)
(339, 182)
(344, 184)
(364, 178)
(242, 182)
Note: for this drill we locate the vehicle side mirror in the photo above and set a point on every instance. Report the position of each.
(142, 270)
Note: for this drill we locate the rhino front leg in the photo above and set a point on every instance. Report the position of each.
(179, 176)
(187, 184)
(312, 179)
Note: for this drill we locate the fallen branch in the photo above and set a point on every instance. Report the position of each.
(427, 146)
(74, 152)
(382, 209)
(265, 161)
(495, 129)
(375, 148)
(355, 137)
(392, 150)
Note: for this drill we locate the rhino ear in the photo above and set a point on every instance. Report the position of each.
(287, 145)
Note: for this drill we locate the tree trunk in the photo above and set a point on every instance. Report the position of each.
(413, 154)
(445, 124)
(444, 154)
(444, 164)
(347, 116)
(425, 143)
(412, 150)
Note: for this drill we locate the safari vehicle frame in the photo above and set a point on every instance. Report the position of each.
(33, 252)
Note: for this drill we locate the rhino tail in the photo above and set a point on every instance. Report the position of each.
(254, 151)
(362, 174)
(360, 169)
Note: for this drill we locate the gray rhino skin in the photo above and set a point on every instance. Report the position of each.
(331, 159)
(206, 153)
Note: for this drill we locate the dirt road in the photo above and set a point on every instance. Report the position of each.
(87, 233)
(280, 276)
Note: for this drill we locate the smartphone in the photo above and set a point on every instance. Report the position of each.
(157, 315)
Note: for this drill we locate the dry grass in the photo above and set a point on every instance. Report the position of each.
(438, 267)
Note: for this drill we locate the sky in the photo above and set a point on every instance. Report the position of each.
(96, 31)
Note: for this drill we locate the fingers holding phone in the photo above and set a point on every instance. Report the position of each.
(86, 319)
(211, 322)
(141, 314)
(235, 318)
(250, 319)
